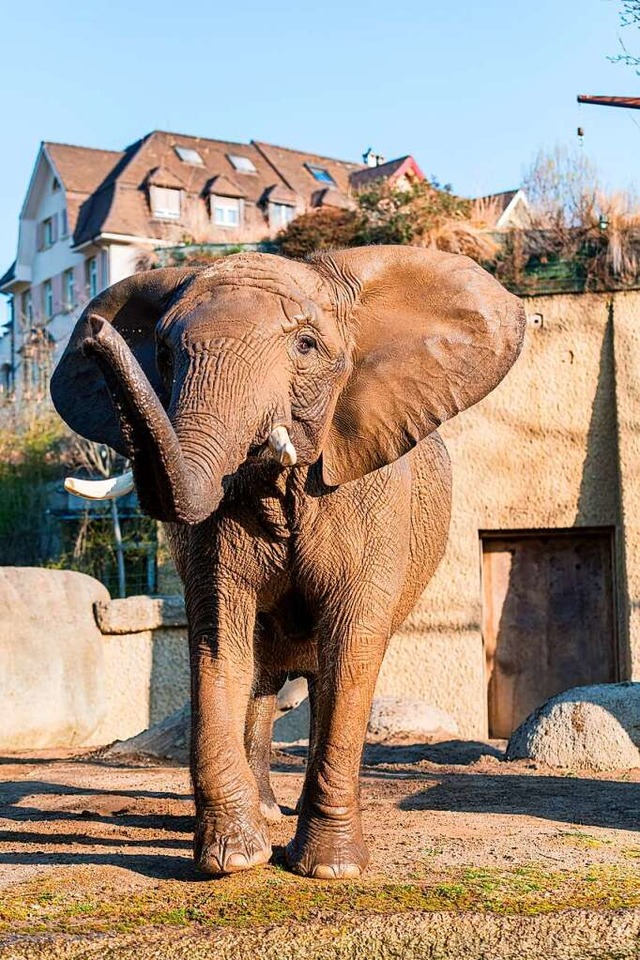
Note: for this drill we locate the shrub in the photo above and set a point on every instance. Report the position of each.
(322, 229)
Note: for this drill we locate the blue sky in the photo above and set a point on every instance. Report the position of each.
(472, 89)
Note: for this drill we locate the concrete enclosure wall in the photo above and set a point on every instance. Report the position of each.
(77, 668)
(556, 446)
(52, 658)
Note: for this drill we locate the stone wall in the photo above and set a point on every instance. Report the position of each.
(146, 663)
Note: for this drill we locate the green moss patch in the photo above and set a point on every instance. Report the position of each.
(271, 896)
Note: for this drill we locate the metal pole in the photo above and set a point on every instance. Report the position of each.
(117, 536)
(627, 103)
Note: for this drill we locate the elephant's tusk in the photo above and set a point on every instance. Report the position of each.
(100, 489)
(283, 450)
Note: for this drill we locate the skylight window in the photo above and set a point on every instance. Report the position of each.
(188, 155)
(321, 174)
(242, 164)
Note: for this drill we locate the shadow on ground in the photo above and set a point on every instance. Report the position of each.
(49, 823)
(572, 800)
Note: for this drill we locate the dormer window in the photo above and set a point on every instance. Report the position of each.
(165, 202)
(280, 214)
(226, 211)
(321, 174)
(241, 164)
(189, 155)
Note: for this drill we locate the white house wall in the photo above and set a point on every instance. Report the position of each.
(122, 261)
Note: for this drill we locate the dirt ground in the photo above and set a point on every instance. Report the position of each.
(95, 860)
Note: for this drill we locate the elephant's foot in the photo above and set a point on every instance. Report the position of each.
(223, 845)
(328, 849)
(269, 808)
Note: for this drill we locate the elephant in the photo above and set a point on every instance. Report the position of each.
(281, 419)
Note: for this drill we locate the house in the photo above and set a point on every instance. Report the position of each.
(508, 210)
(91, 215)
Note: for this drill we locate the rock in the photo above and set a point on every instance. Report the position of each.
(137, 614)
(52, 658)
(586, 728)
(293, 725)
(292, 693)
(402, 717)
(167, 740)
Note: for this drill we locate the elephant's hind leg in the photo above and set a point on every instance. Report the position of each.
(257, 736)
(328, 843)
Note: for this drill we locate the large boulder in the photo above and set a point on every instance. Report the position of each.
(51, 658)
(586, 728)
(168, 740)
(404, 718)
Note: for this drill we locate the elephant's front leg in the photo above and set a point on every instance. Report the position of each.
(328, 843)
(231, 833)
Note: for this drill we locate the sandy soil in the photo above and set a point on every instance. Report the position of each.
(86, 845)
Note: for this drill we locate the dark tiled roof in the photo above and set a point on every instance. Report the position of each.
(82, 169)
(108, 191)
(367, 175)
(280, 194)
(502, 199)
(293, 166)
(224, 186)
(161, 177)
(9, 275)
(331, 198)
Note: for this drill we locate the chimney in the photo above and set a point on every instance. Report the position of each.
(372, 159)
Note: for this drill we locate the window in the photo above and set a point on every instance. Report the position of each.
(69, 287)
(55, 185)
(92, 276)
(104, 268)
(6, 379)
(188, 155)
(226, 211)
(48, 233)
(242, 164)
(37, 362)
(27, 308)
(47, 299)
(320, 174)
(64, 224)
(280, 214)
(165, 202)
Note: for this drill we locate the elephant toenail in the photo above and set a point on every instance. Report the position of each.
(236, 861)
(324, 872)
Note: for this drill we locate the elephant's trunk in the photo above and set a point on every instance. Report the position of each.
(173, 484)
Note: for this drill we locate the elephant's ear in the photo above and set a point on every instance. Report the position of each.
(434, 333)
(78, 387)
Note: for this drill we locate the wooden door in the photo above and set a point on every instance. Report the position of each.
(548, 619)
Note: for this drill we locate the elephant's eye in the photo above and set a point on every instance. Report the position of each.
(305, 344)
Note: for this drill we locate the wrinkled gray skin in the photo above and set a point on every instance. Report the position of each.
(306, 569)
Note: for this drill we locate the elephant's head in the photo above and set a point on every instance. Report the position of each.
(357, 354)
